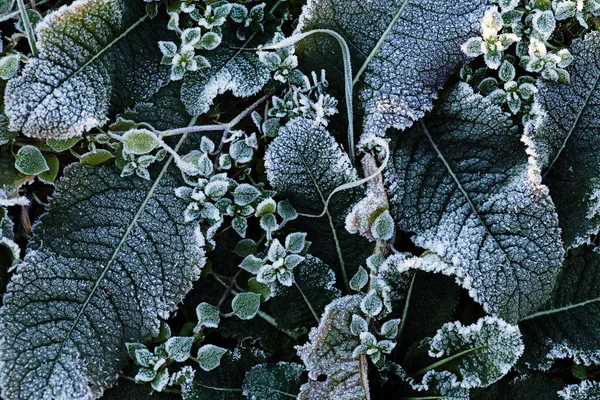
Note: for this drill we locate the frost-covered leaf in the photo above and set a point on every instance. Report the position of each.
(410, 48)
(92, 54)
(245, 194)
(8, 66)
(224, 382)
(316, 287)
(273, 381)
(566, 148)
(328, 355)
(246, 305)
(178, 347)
(567, 326)
(359, 280)
(50, 175)
(478, 355)
(464, 187)
(96, 157)
(208, 315)
(30, 161)
(9, 250)
(209, 356)
(60, 145)
(163, 111)
(6, 6)
(111, 256)
(11, 180)
(305, 164)
(586, 390)
(240, 72)
(140, 141)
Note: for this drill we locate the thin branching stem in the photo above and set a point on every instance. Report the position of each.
(347, 75)
(216, 127)
(350, 185)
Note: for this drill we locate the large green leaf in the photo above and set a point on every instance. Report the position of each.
(464, 187)
(305, 164)
(111, 256)
(403, 51)
(92, 54)
(163, 111)
(566, 146)
(567, 326)
(470, 356)
(332, 370)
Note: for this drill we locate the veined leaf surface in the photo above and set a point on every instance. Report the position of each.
(403, 51)
(566, 147)
(92, 53)
(567, 326)
(306, 164)
(329, 353)
(464, 188)
(111, 256)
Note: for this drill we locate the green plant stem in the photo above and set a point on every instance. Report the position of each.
(406, 304)
(347, 75)
(12, 14)
(446, 360)
(28, 28)
(310, 307)
(216, 127)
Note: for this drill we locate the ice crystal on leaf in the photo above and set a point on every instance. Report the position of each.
(111, 256)
(81, 71)
(240, 72)
(273, 381)
(586, 390)
(564, 147)
(329, 352)
(306, 164)
(470, 356)
(464, 187)
(409, 49)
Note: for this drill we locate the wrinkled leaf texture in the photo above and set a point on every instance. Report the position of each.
(110, 257)
(566, 146)
(410, 48)
(93, 54)
(465, 188)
